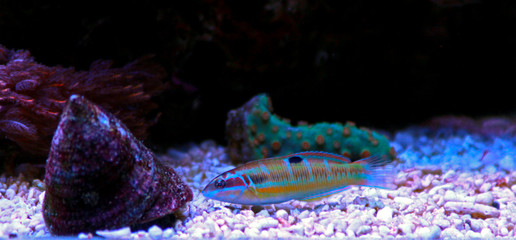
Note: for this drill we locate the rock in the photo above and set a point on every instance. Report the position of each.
(251, 232)
(385, 214)
(383, 230)
(470, 235)
(475, 210)
(264, 223)
(450, 196)
(168, 233)
(10, 193)
(354, 224)
(485, 187)
(406, 228)
(155, 232)
(237, 234)
(485, 198)
(364, 229)
(303, 214)
(264, 213)
(432, 232)
(119, 233)
(486, 233)
(403, 200)
(282, 214)
(475, 224)
(452, 233)
(340, 225)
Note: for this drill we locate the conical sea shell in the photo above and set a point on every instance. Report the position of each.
(98, 176)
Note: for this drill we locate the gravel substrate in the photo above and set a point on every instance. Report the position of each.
(448, 185)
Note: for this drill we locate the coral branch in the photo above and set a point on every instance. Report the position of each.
(33, 95)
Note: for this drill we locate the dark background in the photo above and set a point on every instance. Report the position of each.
(382, 64)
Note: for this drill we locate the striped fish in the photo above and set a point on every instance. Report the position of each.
(305, 176)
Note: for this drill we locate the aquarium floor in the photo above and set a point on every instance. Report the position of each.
(448, 184)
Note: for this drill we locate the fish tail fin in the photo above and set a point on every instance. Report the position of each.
(380, 173)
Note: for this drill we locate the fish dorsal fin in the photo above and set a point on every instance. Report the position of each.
(332, 156)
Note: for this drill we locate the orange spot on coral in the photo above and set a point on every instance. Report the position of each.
(274, 129)
(288, 134)
(329, 131)
(276, 145)
(319, 140)
(305, 145)
(256, 142)
(346, 132)
(336, 144)
(265, 116)
(365, 153)
(265, 152)
(299, 135)
(253, 128)
(346, 154)
(261, 137)
(350, 123)
(374, 141)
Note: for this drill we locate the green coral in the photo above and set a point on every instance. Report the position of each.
(253, 132)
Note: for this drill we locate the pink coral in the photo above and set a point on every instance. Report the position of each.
(32, 95)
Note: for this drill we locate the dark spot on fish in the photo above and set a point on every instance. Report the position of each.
(295, 159)
(220, 184)
(257, 178)
(496, 205)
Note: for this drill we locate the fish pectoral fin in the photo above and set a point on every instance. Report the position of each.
(322, 195)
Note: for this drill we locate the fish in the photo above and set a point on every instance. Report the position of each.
(305, 176)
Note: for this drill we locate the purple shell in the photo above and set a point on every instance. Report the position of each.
(98, 176)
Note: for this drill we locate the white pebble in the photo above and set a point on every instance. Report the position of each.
(450, 196)
(470, 234)
(251, 232)
(168, 233)
(364, 229)
(284, 235)
(41, 197)
(303, 214)
(475, 210)
(486, 233)
(485, 198)
(406, 228)
(330, 229)
(264, 213)
(155, 232)
(82, 236)
(354, 224)
(429, 232)
(119, 233)
(385, 214)
(384, 231)
(9, 194)
(237, 234)
(452, 233)
(403, 200)
(485, 187)
(504, 231)
(476, 225)
(282, 214)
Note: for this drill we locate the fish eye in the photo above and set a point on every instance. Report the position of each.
(220, 184)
